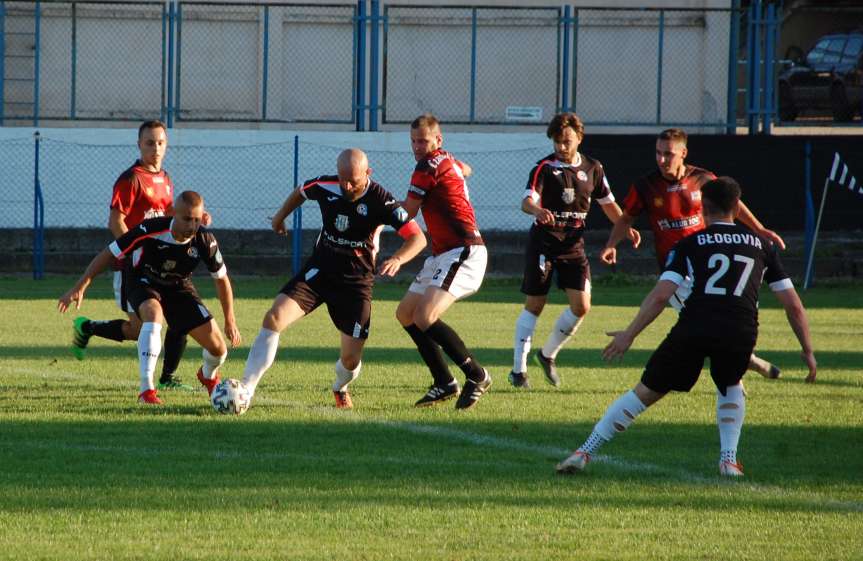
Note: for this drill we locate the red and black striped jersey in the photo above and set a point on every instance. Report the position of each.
(140, 194)
(673, 207)
(151, 252)
(350, 230)
(439, 183)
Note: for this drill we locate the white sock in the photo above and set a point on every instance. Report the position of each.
(149, 347)
(524, 327)
(619, 415)
(261, 357)
(730, 410)
(345, 376)
(564, 328)
(212, 364)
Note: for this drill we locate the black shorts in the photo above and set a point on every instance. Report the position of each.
(573, 269)
(181, 305)
(348, 299)
(677, 362)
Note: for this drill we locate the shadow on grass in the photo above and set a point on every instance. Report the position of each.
(343, 460)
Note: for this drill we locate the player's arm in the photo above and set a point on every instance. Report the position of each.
(412, 205)
(745, 216)
(414, 242)
(225, 293)
(117, 223)
(530, 205)
(466, 170)
(622, 228)
(796, 315)
(293, 202)
(76, 294)
(650, 309)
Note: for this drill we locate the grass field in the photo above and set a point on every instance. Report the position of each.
(88, 474)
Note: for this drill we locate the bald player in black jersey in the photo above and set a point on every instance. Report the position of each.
(340, 272)
(726, 263)
(161, 254)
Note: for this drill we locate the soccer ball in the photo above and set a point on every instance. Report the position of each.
(231, 397)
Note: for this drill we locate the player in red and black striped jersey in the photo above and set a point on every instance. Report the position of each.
(560, 189)
(143, 191)
(161, 254)
(455, 269)
(340, 272)
(671, 197)
(726, 263)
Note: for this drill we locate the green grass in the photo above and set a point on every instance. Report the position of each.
(85, 473)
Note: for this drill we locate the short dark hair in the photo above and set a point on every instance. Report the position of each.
(720, 195)
(562, 121)
(191, 198)
(154, 124)
(425, 121)
(674, 135)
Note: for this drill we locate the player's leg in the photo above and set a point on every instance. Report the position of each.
(535, 284)
(350, 309)
(728, 364)
(149, 347)
(83, 328)
(214, 352)
(444, 386)
(347, 369)
(286, 310)
(175, 346)
(764, 367)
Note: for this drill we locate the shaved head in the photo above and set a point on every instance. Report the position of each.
(354, 172)
(352, 158)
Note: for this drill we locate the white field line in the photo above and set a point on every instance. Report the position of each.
(546, 452)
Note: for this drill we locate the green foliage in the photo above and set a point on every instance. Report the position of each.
(88, 474)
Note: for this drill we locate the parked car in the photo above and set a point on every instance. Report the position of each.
(828, 79)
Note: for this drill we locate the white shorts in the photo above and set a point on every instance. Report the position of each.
(679, 297)
(459, 271)
(118, 292)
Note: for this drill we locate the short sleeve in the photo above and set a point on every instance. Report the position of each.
(633, 204)
(213, 256)
(534, 184)
(602, 190)
(774, 273)
(124, 194)
(676, 267)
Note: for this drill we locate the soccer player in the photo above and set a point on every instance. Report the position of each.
(454, 270)
(340, 272)
(671, 197)
(726, 263)
(559, 191)
(143, 191)
(162, 254)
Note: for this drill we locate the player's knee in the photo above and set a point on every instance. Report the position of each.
(404, 315)
(580, 309)
(350, 362)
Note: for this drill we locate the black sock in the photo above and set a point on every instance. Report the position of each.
(175, 346)
(431, 355)
(453, 346)
(112, 329)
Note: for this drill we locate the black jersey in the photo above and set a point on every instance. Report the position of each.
(726, 263)
(350, 230)
(160, 259)
(567, 190)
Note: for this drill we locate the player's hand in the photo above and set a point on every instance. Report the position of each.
(812, 364)
(620, 343)
(279, 226)
(466, 170)
(233, 334)
(206, 219)
(608, 256)
(74, 294)
(774, 237)
(390, 267)
(544, 216)
(635, 237)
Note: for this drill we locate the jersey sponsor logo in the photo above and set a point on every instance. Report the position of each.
(565, 214)
(568, 196)
(679, 223)
(193, 252)
(149, 191)
(362, 209)
(581, 175)
(435, 162)
(342, 241)
(169, 265)
(696, 195)
(658, 202)
(342, 223)
(158, 179)
(749, 239)
(153, 213)
(676, 187)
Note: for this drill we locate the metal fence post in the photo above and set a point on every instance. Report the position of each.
(733, 39)
(37, 18)
(178, 7)
(472, 65)
(170, 92)
(74, 81)
(769, 55)
(163, 109)
(574, 95)
(2, 60)
(564, 105)
(361, 65)
(266, 63)
(373, 65)
(297, 246)
(661, 41)
(38, 217)
(753, 85)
